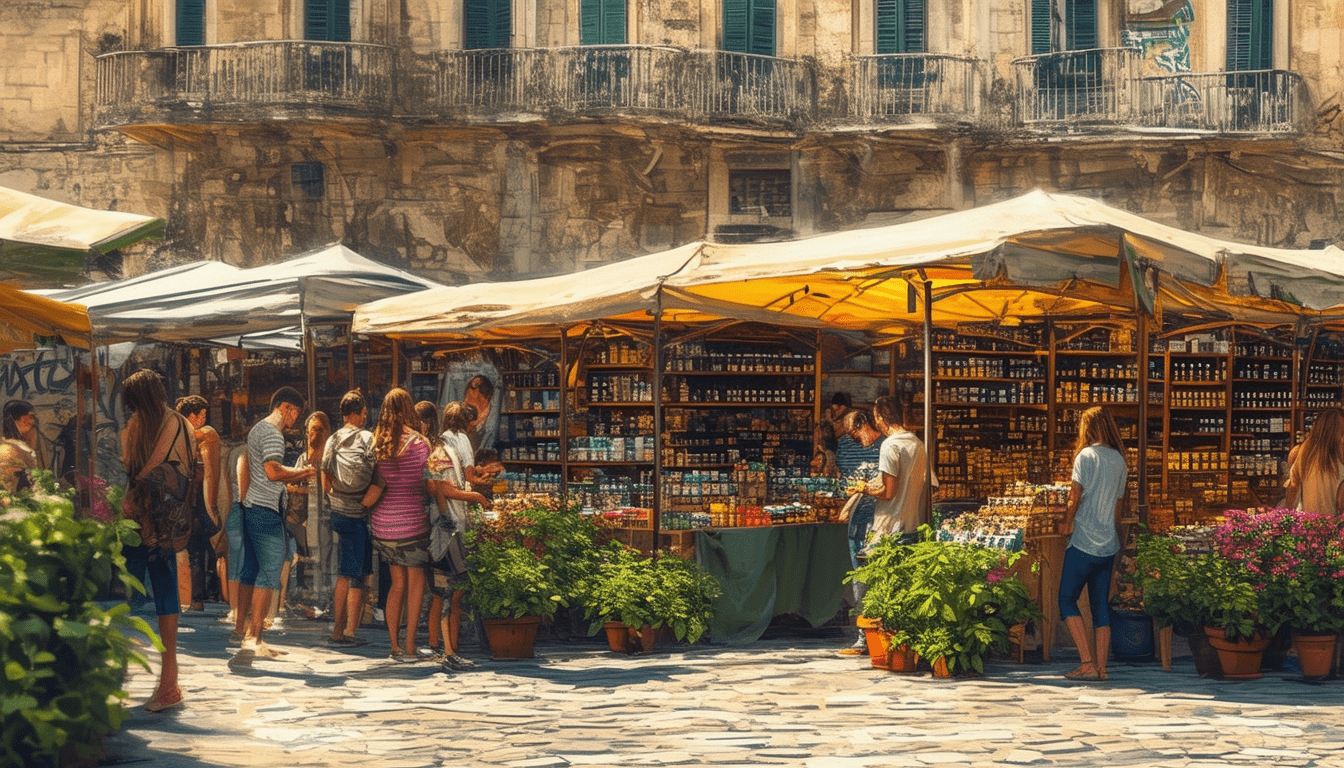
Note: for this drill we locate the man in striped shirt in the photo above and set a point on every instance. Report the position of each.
(264, 531)
(857, 444)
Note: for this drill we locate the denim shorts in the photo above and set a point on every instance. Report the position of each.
(161, 566)
(233, 528)
(263, 547)
(355, 547)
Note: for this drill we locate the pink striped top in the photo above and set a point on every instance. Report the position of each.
(401, 512)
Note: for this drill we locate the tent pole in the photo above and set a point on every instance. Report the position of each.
(658, 364)
(350, 357)
(85, 495)
(93, 416)
(1142, 331)
(929, 447)
(310, 367)
(396, 362)
(564, 418)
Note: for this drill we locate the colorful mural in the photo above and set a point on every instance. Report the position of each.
(1165, 45)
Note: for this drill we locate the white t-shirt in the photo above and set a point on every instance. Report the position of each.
(903, 457)
(1102, 473)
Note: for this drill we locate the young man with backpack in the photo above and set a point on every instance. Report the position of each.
(347, 469)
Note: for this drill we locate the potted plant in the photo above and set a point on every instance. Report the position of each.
(645, 594)
(886, 608)
(511, 589)
(950, 602)
(1295, 561)
(1131, 626)
(1227, 605)
(1162, 574)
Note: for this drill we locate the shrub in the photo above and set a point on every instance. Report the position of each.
(509, 581)
(636, 590)
(64, 655)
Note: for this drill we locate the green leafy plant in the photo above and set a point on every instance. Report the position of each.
(64, 655)
(666, 591)
(946, 599)
(1165, 575)
(509, 581)
(1223, 596)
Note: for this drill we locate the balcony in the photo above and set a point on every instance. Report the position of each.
(1092, 86)
(1260, 101)
(244, 82)
(905, 87)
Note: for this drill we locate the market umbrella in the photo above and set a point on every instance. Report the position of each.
(43, 241)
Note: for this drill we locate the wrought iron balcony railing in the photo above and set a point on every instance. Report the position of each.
(907, 85)
(1259, 101)
(1091, 86)
(278, 74)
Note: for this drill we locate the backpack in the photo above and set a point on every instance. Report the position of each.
(349, 462)
(162, 498)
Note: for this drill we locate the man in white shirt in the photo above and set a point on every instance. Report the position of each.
(902, 505)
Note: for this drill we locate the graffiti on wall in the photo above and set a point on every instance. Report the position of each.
(1165, 45)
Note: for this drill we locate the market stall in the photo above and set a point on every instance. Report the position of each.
(43, 241)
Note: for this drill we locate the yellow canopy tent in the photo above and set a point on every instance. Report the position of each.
(24, 315)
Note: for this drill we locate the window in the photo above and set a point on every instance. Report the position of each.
(602, 22)
(190, 22)
(760, 193)
(749, 26)
(1250, 34)
(900, 26)
(1063, 25)
(306, 180)
(488, 23)
(326, 20)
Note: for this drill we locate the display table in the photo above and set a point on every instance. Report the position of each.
(773, 570)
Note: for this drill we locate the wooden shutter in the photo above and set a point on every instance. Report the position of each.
(487, 23)
(900, 26)
(190, 22)
(326, 20)
(1040, 26)
(1080, 22)
(602, 22)
(749, 26)
(1250, 34)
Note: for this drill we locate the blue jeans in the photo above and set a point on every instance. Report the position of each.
(161, 565)
(263, 547)
(356, 546)
(233, 529)
(1081, 569)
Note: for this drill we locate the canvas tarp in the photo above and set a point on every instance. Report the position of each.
(1036, 255)
(208, 300)
(45, 240)
(24, 315)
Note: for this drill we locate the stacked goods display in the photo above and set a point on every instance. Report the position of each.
(1007, 522)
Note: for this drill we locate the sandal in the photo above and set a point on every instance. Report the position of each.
(1085, 671)
(173, 699)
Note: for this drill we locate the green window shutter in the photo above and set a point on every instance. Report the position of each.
(900, 26)
(1250, 34)
(602, 22)
(487, 22)
(763, 27)
(749, 26)
(1080, 19)
(190, 22)
(326, 20)
(1040, 26)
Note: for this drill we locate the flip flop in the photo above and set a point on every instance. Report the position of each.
(354, 641)
(1090, 673)
(850, 652)
(174, 699)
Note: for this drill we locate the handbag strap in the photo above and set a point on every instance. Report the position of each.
(163, 449)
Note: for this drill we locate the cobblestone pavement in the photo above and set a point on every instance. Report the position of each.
(778, 702)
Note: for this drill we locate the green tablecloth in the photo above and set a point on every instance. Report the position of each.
(772, 570)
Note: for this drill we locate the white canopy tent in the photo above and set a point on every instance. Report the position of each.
(46, 240)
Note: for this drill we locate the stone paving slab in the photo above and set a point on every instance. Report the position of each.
(786, 701)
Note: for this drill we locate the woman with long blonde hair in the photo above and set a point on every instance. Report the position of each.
(1096, 500)
(400, 521)
(1316, 467)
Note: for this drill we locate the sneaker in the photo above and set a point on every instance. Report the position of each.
(430, 654)
(455, 662)
(227, 618)
(276, 625)
(378, 615)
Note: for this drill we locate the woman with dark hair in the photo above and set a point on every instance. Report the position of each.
(21, 451)
(400, 523)
(1091, 521)
(192, 562)
(155, 434)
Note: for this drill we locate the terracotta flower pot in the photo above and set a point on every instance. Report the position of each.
(512, 638)
(1314, 653)
(617, 635)
(902, 658)
(1240, 659)
(940, 667)
(879, 641)
(642, 639)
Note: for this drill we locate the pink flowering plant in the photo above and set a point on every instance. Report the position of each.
(1294, 562)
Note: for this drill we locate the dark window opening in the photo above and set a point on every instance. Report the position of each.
(190, 22)
(761, 193)
(306, 179)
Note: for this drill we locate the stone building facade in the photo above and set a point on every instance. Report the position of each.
(486, 139)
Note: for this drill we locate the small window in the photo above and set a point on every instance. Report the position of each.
(327, 20)
(749, 26)
(602, 22)
(1063, 25)
(1250, 35)
(487, 23)
(306, 180)
(900, 26)
(761, 193)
